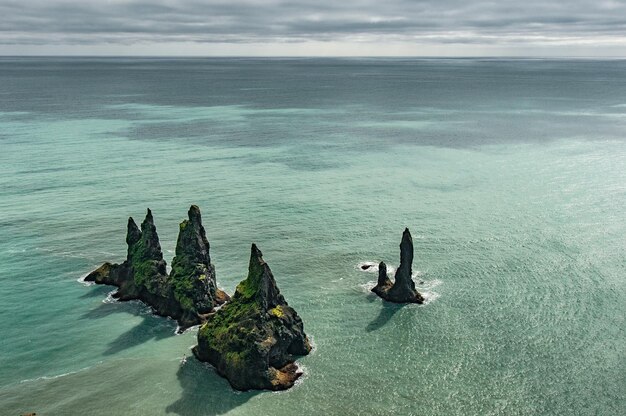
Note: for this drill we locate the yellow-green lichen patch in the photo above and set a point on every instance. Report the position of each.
(277, 311)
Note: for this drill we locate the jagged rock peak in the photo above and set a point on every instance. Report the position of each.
(149, 218)
(260, 283)
(256, 253)
(194, 214)
(254, 339)
(188, 293)
(192, 241)
(193, 275)
(133, 233)
(144, 243)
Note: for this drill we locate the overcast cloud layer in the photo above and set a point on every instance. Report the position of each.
(322, 27)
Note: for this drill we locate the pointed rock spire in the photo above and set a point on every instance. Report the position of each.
(260, 283)
(150, 238)
(254, 338)
(406, 253)
(145, 258)
(383, 279)
(188, 293)
(149, 218)
(193, 275)
(143, 273)
(403, 288)
(133, 233)
(192, 242)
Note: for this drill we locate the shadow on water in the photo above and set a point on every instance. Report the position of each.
(387, 312)
(151, 326)
(205, 392)
(97, 291)
(371, 297)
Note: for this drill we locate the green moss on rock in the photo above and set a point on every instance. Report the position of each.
(254, 339)
(193, 275)
(187, 293)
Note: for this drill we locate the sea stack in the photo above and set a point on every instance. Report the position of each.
(193, 275)
(255, 338)
(142, 274)
(186, 295)
(402, 290)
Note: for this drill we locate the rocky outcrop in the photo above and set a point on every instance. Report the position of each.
(383, 279)
(187, 294)
(143, 272)
(193, 275)
(254, 339)
(402, 290)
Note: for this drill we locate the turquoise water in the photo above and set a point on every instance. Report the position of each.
(511, 176)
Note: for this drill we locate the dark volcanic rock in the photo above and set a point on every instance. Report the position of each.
(143, 273)
(384, 283)
(254, 339)
(190, 292)
(402, 290)
(193, 275)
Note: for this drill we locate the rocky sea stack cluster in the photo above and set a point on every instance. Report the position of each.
(402, 289)
(253, 340)
(188, 293)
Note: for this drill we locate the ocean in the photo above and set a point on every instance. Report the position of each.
(510, 174)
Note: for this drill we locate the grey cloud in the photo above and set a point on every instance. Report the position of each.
(237, 21)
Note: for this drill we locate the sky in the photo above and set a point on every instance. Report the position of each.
(584, 28)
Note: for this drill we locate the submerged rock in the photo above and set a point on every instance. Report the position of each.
(187, 294)
(254, 339)
(402, 290)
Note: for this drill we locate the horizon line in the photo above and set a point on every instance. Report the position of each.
(537, 57)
